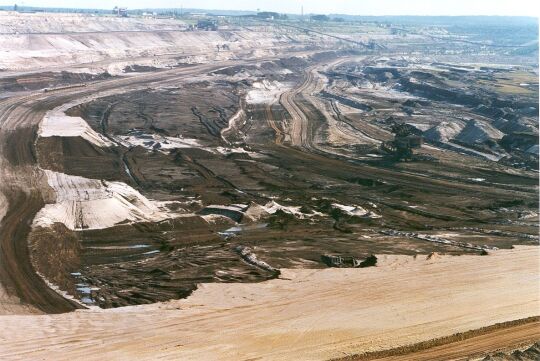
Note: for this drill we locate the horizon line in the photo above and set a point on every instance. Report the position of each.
(255, 12)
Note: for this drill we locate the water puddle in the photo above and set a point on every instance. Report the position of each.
(233, 231)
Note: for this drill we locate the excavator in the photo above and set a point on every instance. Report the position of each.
(406, 138)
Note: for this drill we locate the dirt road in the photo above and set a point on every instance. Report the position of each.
(494, 340)
(299, 121)
(300, 127)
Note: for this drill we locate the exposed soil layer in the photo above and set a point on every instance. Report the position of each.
(266, 190)
(526, 354)
(205, 145)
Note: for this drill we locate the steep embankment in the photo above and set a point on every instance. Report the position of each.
(28, 23)
(28, 42)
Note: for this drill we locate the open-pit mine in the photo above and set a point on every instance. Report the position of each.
(254, 188)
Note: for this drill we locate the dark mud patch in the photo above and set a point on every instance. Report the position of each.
(55, 253)
(76, 156)
(146, 263)
(44, 80)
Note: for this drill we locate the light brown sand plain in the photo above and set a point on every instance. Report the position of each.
(305, 315)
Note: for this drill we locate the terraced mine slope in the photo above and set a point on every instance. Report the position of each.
(310, 193)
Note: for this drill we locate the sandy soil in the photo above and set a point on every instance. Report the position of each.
(364, 310)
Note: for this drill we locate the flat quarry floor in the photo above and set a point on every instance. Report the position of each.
(303, 315)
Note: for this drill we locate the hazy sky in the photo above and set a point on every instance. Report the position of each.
(355, 7)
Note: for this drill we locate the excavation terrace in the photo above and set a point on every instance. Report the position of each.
(260, 154)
